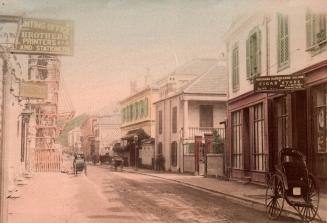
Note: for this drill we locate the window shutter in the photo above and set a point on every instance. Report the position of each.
(286, 50)
(146, 108)
(309, 29)
(279, 39)
(258, 56)
(248, 62)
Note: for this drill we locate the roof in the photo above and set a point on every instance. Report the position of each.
(140, 133)
(191, 69)
(213, 81)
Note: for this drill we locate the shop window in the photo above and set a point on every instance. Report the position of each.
(282, 38)
(160, 122)
(206, 116)
(259, 154)
(174, 120)
(237, 150)
(282, 123)
(173, 154)
(316, 31)
(235, 68)
(253, 54)
(320, 119)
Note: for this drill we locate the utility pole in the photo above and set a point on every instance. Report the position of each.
(4, 109)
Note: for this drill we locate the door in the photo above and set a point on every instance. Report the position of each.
(281, 131)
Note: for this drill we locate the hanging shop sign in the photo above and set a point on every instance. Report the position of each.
(279, 83)
(45, 36)
(33, 90)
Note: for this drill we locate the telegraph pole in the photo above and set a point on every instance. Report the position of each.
(4, 108)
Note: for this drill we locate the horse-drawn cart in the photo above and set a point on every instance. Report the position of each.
(79, 164)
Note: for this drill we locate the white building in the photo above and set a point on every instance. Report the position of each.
(192, 102)
(288, 40)
(74, 139)
(107, 130)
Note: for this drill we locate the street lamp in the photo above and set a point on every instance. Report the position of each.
(136, 138)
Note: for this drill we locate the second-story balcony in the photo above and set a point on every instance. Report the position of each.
(200, 131)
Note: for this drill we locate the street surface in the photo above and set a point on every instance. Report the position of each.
(108, 196)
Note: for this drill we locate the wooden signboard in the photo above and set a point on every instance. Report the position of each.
(33, 90)
(45, 36)
(279, 83)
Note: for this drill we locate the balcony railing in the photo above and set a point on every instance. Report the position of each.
(196, 131)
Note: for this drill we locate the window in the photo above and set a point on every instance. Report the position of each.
(174, 120)
(237, 158)
(136, 107)
(316, 30)
(131, 113)
(160, 122)
(235, 71)
(282, 123)
(282, 38)
(146, 107)
(206, 116)
(173, 154)
(320, 118)
(141, 103)
(259, 155)
(253, 54)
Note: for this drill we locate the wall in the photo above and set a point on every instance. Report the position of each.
(300, 58)
(189, 166)
(215, 165)
(147, 154)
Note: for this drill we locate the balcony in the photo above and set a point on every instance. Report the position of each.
(196, 131)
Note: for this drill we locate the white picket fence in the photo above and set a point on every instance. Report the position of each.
(47, 160)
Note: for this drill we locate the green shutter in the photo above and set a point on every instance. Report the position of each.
(248, 62)
(286, 42)
(146, 108)
(309, 29)
(279, 39)
(258, 53)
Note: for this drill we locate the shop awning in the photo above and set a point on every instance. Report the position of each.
(140, 133)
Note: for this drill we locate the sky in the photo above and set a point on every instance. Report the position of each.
(116, 41)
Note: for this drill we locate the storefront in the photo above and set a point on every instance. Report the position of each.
(262, 123)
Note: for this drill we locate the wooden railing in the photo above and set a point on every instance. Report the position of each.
(195, 131)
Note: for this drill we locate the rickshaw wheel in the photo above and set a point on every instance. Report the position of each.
(275, 196)
(311, 198)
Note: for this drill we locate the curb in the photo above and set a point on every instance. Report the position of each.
(244, 201)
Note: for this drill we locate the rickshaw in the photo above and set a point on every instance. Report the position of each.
(118, 161)
(291, 181)
(79, 164)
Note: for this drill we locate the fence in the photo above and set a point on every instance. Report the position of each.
(193, 131)
(47, 160)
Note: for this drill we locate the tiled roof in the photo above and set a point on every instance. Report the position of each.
(213, 81)
(195, 67)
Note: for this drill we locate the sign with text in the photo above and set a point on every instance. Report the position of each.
(44, 36)
(279, 83)
(33, 90)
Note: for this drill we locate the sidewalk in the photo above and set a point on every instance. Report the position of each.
(248, 194)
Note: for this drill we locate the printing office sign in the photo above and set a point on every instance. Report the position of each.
(33, 90)
(279, 83)
(45, 36)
